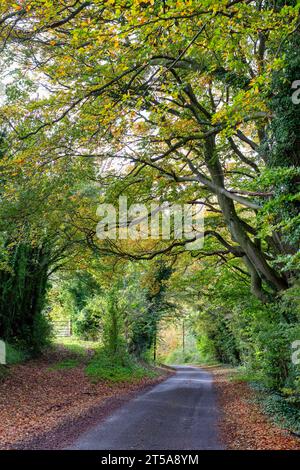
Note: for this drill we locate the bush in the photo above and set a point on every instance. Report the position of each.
(180, 357)
(15, 354)
(42, 333)
(281, 412)
(87, 325)
(274, 341)
(37, 337)
(237, 329)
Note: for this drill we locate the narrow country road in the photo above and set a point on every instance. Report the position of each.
(179, 413)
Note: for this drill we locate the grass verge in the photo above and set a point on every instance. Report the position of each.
(117, 368)
(99, 365)
(76, 346)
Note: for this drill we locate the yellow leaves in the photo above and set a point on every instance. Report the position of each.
(180, 4)
(86, 23)
(61, 71)
(67, 59)
(141, 2)
(19, 161)
(140, 127)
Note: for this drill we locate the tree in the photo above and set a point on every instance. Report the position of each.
(188, 102)
(145, 327)
(191, 112)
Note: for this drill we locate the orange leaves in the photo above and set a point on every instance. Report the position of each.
(17, 7)
(22, 6)
(35, 398)
(19, 161)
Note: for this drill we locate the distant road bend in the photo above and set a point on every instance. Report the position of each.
(179, 413)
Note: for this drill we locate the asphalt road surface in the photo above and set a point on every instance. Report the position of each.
(179, 413)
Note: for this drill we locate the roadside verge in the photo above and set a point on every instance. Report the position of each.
(243, 424)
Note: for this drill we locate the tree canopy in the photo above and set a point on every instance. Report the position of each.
(186, 102)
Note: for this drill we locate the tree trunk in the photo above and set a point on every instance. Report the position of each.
(254, 258)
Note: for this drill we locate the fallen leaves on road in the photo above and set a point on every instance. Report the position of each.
(243, 425)
(35, 399)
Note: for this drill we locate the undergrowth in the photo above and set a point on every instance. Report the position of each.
(279, 410)
(116, 368)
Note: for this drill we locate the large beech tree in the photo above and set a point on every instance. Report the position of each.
(180, 91)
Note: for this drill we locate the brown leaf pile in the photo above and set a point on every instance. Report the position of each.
(243, 425)
(35, 399)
